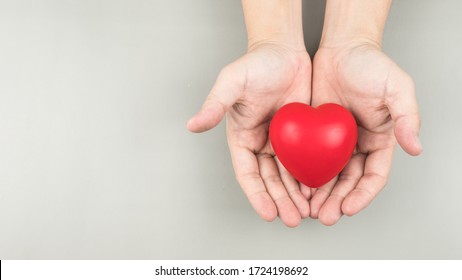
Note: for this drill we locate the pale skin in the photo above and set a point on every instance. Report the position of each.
(349, 69)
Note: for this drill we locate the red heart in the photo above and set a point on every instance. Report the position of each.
(313, 144)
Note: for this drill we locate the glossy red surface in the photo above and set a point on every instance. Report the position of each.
(313, 144)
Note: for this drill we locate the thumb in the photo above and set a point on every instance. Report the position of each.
(404, 111)
(227, 90)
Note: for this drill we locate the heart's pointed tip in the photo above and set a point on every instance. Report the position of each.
(312, 185)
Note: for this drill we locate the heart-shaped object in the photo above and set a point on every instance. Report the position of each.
(313, 144)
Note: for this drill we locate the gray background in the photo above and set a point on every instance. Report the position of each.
(95, 160)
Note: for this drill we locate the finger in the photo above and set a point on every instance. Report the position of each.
(248, 175)
(294, 190)
(404, 111)
(376, 171)
(320, 196)
(306, 191)
(286, 209)
(331, 211)
(227, 90)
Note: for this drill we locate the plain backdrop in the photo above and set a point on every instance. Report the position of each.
(95, 160)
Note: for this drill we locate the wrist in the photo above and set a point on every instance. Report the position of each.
(354, 22)
(274, 22)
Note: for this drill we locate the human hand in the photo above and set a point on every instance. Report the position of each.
(381, 96)
(250, 90)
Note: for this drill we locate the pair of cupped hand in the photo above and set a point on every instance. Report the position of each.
(357, 75)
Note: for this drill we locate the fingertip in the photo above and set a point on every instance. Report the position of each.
(301, 203)
(268, 214)
(288, 212)
(314, 213)
(320, 196)
(417, 149)
(195, 126)
(302, 206)
(306, 191)
(190, 125)
(330, 212)
(305, 212)
(264, 206)
(349, 210)
(316, 203)
(353, 204)
(407, 134)
(329, 220)
(411, 144)
(408, 138)
(293, 221)
(206, 119)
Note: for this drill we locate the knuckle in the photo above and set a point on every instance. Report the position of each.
(243, 178)
(273, 178)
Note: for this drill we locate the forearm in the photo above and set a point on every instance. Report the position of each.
(352, 20)
(274, 21)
